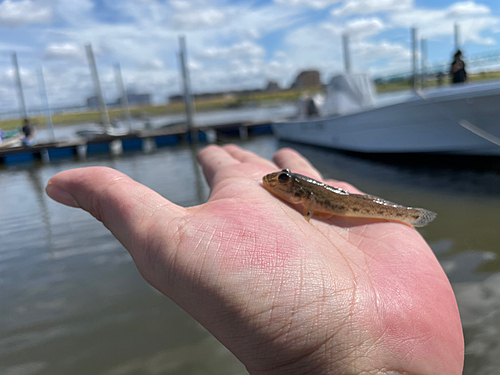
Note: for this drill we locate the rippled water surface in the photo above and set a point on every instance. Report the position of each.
(72, 301)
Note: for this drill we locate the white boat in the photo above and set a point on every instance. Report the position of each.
(95, 130)
(463, 119)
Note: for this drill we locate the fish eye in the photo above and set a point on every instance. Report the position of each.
(283, 178)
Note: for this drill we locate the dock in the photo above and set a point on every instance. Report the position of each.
(145, 140)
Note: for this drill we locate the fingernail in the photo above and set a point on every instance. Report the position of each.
(60, 195)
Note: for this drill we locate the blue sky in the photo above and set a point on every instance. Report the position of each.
(231, 44)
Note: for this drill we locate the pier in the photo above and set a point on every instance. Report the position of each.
(145, 140)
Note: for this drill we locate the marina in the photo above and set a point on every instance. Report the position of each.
(215, 256)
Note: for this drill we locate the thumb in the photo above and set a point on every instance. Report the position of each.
(130, 210)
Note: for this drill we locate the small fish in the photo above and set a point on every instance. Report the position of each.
(317, 197)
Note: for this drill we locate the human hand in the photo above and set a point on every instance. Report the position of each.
(286, 296)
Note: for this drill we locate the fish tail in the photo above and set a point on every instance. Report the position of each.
(425, 217)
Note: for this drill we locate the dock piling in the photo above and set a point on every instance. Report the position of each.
(148, 145)
(188, 100)
(19, 86)
(423, 61)
(97, 87)
(457, 36)
(121, 89)
(81, 151)
(347, 53)
(45, 156)
(116, 147)
(211, 135)
(45, 101)
(414, 58)
(243, 130)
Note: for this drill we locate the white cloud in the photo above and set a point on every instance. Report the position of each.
(180, 4)
(358, 28)
(154, 64)
(198, 18)
(380, 50)
(473, 20)
(381, 57)
(241, 50)
(240, 74)
(316, 4)
(320, 47)
(280, 55)
(314, 47)
(8, 47)
(23, 13)
(195, 65)
(369, 6)
(253, 33)
(63, 51)
(364, 27)
(467, 8)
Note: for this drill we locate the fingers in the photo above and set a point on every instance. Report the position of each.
(286, 158)
(213, 159)
(127, 208)
(247, 157)
(291, 159)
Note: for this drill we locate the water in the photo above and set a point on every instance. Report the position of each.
(72, 301)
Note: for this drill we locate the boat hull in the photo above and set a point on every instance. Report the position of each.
(430, 125)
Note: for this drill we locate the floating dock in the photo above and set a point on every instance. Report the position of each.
(145, 140)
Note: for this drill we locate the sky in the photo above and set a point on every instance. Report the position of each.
(231, 44)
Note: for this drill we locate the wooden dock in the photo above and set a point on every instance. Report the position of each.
(145, 140)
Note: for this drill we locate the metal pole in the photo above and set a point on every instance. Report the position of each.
(423, 63)
(414, 60)
(45, 101)
(457, 37)
(347, 53)
(20, 94)
(97, 87)
(123, 93)
(186, 84)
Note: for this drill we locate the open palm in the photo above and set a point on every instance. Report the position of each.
(286, 296)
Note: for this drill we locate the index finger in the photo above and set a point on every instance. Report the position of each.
(130, 210)
(287, 158)
(214, 159)
(291, 159)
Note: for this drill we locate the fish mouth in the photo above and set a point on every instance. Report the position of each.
(265, 182)
(268, 183)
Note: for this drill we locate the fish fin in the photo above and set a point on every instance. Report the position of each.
(308, 213)
(308, 210)
(425, 217)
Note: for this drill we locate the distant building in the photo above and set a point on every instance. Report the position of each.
(93, 102)
(133, 99)
(175, 98)
(307, 79)
(136, 99)
(272, 86)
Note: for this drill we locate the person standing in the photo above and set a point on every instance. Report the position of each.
(457, 71)
(29, 132)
